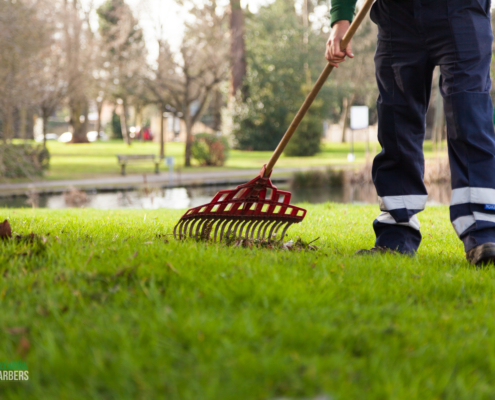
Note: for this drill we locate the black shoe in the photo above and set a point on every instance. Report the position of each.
(482, 255)
(375, 250)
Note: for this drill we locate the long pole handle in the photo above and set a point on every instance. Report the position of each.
(316, 89)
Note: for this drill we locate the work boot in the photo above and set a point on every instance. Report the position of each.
(375, 250)
(482, 255)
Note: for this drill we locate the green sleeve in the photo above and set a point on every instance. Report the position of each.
(342, 10)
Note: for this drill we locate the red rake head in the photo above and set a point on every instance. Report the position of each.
(257, 206)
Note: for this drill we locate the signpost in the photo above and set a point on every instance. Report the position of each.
(170, 162)
(360, 119)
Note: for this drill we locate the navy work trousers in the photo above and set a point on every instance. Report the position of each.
(414, 36)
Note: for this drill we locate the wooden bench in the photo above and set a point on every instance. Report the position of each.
(126, 158)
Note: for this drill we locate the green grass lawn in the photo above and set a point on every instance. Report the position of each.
(106, 309)
(78, 161)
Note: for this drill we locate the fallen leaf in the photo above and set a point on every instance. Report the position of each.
(17, 330)
(5, 230)
(23, 347)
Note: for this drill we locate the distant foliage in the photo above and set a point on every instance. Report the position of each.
(276, 80)
(116, 126)
(318, 178)
(23, 160)
(210, 150)
(307, 139)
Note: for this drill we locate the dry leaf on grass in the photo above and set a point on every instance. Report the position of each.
(23, 347)
(17, 330)
(5, 230)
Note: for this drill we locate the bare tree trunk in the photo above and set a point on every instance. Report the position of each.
(162, 133)
(123, 123)
(8, 126)
(22, 122)
(237, 48)
(78, 109)
(217, 110)
(44, 118)
(346, 109)
(305, 43)
(189, 140)
(99, 108)
(138, 121)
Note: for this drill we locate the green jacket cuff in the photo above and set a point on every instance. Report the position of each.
(339, 13)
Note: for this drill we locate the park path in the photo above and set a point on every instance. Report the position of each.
(135, 180)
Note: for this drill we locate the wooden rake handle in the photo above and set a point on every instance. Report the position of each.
(316, 88)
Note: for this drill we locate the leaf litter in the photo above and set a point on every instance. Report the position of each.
(271, 243)
(30, 244)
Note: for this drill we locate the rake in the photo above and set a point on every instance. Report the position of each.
(257, 209)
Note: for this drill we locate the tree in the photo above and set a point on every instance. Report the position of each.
(50, 80)
(237, 48)
(22, 37)
(79, 46)
(276, 77)
(124, 57)
(190, 77)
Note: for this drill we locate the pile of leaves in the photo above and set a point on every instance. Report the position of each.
(23, 160)
(271, 244)
(232, 240)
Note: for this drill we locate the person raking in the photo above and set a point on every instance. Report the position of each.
(415, 36)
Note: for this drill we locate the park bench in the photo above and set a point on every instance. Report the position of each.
(126, 158)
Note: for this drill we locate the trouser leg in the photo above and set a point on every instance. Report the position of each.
(465, 84)
(404, 75)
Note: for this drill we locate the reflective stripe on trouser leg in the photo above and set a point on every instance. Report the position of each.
(464, 59)
(404, 77)
(473, 214)
(397, 227)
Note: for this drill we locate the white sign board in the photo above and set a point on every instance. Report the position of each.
(360, 117)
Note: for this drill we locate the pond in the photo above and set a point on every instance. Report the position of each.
(183, 198)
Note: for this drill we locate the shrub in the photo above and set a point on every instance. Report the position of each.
(306, 140)
(318, 178)
(23, 160)
(210, 150)
(116, 126)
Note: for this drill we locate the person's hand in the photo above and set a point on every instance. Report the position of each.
(334, 54)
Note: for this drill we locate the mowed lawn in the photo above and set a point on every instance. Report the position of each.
(98, 159)
(108, 308)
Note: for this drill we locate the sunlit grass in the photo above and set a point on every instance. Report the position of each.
(78, 161)
(113, 311)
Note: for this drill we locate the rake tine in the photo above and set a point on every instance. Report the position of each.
(285, 230)
(224, 226)
(254, 228)
(242, 227)
(206, 226)
(280, 227)
(185, 226)
(250, 225)
(260, 229)
(228, 230)
(195, 230)
(200, 228)
(192, 226)
(179, 224)
(265, 228)
(273, 228)
(216, 229)
(234, 228)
